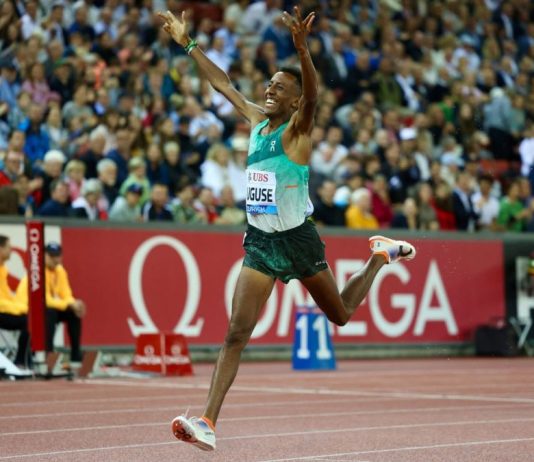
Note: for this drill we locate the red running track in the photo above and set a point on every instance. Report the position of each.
(474, 410)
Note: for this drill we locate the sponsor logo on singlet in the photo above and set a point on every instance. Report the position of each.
(261, 192)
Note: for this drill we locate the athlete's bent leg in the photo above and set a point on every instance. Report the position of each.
(252, 291)
(340, 307)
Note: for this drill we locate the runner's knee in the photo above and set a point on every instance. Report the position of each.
(339, 319)
(238, 336)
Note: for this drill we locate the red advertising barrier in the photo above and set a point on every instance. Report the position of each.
(138, 282)
(36, 288)
(162, 353)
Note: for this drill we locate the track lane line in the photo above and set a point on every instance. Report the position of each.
(303, 433)
(406, 448)
(266, 417)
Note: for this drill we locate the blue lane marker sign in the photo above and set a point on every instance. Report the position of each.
(312, 347)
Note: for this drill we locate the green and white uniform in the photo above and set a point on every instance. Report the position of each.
(280, 241)
(277, 188)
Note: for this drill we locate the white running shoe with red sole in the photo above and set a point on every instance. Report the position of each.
(390, 249)
(195, 431)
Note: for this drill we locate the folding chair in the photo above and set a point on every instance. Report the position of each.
(8, 343)
(522, 327)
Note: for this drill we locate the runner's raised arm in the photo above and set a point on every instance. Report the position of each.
(308, 101)
(177, 28)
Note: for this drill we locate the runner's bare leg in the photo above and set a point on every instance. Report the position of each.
(340, 307)
(252, 291)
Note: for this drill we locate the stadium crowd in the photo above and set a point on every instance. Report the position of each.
(425, 120)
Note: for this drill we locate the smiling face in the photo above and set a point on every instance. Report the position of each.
(282, 95)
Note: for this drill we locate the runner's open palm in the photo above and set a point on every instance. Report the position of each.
(299, 28)
(175, 27)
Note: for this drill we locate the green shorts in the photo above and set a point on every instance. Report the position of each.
(293, 254)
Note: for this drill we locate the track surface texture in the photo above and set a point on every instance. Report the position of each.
(473, 410)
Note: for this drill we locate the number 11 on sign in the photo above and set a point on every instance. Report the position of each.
(321, 327)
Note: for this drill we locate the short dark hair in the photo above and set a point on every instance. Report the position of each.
(486, 177)
(55, 183)
(295, 72)
(3, 240)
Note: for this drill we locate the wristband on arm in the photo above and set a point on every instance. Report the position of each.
(191, 46)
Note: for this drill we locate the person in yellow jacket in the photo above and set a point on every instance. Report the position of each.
(61, 306)
(13, 312)
(358, 215)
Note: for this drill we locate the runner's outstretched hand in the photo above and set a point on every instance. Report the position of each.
(176, 27)
(299, 28)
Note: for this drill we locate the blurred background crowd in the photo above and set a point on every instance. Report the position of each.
(425, 118)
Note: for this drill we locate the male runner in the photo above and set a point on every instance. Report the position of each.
(281, 242)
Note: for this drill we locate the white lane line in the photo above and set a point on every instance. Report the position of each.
(304, 391)
(177, 409)
(410, 410)
(407, 448)
(381, 428)
(336, 460)
(328, 391)
(312, 432)
(101, 400)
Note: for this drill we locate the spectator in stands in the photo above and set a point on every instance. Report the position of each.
(183, 207)
(137, 169)
(13, 312)
(381, 200)
(513, 215)
(128, 207)
(229, 213)
(75, 178)
(58, 204)
(52, 169)
(30, 19)
(158, 208)
(497, 118)
(94, 154)
(326, 158)
(53, 127)
(201, 122)
(61, 305)
(9, 86)
(464, 211)
(107, 174)
(157, 171)
(427, 214)
(216, 169)
(54, 30)
(9, 200)
(526, 151)
(444, 208)
(206, 204)
(358, 214)
(19, 113)
(238, 166)
(485, 205)
(26, 205)
(12, 169)
(384, 85)
(78, 107)
(326, 212)
(258, 16)
(37, 141)
(86, 205)
(407, 217)
(122, 153)
(37, 86)
(62, 79)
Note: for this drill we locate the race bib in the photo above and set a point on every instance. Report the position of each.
(261, 192)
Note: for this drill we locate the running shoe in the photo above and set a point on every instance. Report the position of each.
(390, 249)
(195, 431)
